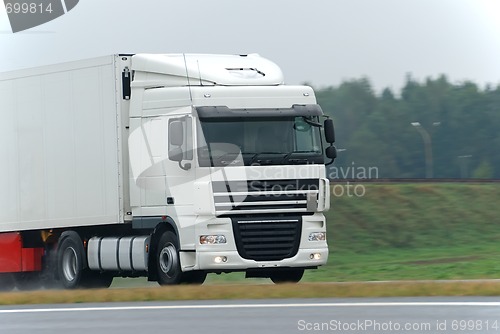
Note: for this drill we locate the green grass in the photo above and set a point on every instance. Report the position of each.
(414, 231)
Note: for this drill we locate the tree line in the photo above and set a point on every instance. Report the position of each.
(428, 129)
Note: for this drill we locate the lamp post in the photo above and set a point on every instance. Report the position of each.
(426, 137)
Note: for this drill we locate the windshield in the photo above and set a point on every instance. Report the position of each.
(259, 141)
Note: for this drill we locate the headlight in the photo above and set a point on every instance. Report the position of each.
(212, 239)
(317, 236)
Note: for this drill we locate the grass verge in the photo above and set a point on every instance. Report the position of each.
(219, 292)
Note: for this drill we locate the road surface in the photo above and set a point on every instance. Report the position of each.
(382, 315)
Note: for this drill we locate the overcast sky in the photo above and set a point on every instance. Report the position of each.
(319, 41)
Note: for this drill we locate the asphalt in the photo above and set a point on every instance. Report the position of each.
(381, 315)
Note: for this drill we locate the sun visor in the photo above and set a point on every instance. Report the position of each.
(225, 112)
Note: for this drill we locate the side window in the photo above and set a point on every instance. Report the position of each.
(187, 137)
(304, 141)
(306, 137)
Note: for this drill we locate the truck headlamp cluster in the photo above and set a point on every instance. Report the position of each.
(212, 239)
(317, 236)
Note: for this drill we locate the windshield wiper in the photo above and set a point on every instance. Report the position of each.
(228, 159)
(311, 122)
(289, 154)
(257, 155)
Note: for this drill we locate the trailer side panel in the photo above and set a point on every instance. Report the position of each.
(59, 147)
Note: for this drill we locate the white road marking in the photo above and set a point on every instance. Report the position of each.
(243, 306)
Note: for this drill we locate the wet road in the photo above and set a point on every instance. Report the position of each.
(382, 315)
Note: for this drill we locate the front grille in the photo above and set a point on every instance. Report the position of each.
(265, 197)
(267, 239)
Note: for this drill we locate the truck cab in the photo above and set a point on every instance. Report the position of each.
(233, 158)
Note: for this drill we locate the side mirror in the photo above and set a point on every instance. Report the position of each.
(176, 141)
(176, 133)
(331, 152)
(176, 154)
(329, 131)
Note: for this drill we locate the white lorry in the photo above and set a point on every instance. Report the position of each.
(169, 166)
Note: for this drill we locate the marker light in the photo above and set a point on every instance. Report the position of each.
(212, 239)
(317, 236)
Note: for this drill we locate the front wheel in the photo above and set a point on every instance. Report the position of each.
(194, 277)
(168, 263)
(167, 260)
(287, 276)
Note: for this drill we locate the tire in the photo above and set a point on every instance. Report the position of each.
(168, 263)
(27, 281)
(71, 260)
(7, 282)
(194, 277)
(287, 276)
(49, 274)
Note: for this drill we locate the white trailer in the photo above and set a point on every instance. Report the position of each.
(169, 166)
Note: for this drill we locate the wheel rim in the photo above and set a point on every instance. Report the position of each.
(69, 264)
(168, 260)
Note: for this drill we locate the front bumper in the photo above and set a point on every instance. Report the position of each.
(234, 262)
